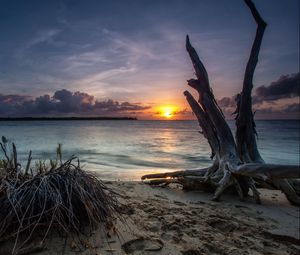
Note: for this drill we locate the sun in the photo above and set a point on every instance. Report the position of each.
(167, 114)
(167, 111)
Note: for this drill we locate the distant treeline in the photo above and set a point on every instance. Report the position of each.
(63, 118)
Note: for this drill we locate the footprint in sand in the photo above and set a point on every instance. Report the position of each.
(223, 225)
(142, 244)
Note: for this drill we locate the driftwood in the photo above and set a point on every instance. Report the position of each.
(237, 162)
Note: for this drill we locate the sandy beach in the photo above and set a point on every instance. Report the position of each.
(170, 221)
(102, 100)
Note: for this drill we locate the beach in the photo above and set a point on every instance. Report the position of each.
(145, 129)
(170, 221)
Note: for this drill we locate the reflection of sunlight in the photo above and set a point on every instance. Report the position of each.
(166, 142)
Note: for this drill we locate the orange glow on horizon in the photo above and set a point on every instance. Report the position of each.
(167, 111)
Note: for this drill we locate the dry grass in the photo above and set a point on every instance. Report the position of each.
(59, 195)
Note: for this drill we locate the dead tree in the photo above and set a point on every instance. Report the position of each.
(237, 162)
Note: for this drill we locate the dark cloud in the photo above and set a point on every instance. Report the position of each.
(292, 108)
(8, 103)
(64, 102)
(287, 86)
(227, 102)
(287, 111)
(115, 106)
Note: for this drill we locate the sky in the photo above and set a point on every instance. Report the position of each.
(128, 58)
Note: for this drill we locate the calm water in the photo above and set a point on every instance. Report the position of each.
(129, 149)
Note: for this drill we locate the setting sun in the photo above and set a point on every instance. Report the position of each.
(168, 114)
(167, 111)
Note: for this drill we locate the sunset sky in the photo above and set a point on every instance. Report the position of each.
(128, 58)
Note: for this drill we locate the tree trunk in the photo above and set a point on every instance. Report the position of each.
(237, 164)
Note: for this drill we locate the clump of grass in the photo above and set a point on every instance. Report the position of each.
(59, 195)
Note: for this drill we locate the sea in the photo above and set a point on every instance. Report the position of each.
(128, 149)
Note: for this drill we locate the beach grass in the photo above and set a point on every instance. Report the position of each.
(57, 195)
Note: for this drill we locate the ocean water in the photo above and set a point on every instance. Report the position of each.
(126, 150)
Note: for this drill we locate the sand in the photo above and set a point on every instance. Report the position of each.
(171, 221)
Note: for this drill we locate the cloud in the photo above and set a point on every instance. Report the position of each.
(227, 102)
(42, 36)
(286, 111)
(104, 75)
(64, 102)
(292, 108)
(270, 99)
(287, 86)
